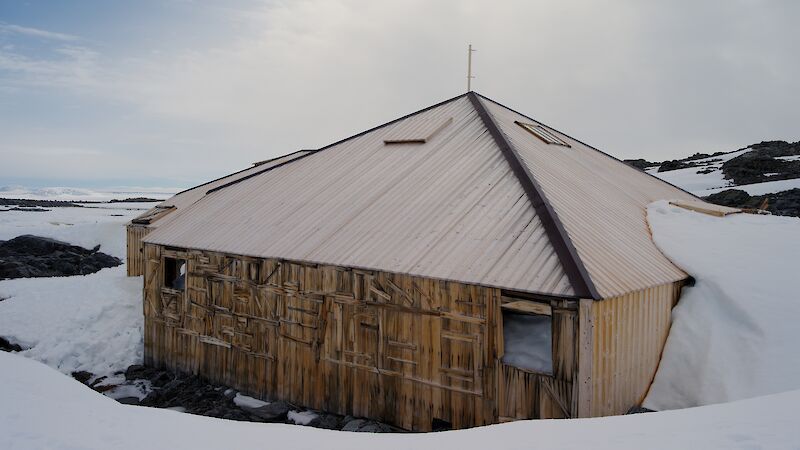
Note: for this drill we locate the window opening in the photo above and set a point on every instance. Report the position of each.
(528, 336)
(175, 273)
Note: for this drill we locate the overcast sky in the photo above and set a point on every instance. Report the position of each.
(172, 93)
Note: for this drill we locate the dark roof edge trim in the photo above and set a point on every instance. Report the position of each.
(567, 255)
(337, 143)
(589, 146)
(239, 171)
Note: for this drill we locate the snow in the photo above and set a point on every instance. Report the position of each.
(697, 183)
(789, 158)
(102, 225)
(244, 401)
(528, 342)
(302, 417)
(92, 322)
(73, 194)
(55, 412)
(767, 187)
(734, 333)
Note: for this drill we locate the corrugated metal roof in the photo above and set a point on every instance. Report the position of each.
(449, 208)
(602, 204)
(454, 207)
(190, 196)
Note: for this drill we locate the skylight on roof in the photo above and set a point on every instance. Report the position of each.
(543, 133)
(416, 130)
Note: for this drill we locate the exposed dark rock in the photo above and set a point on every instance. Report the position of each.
(786, 203)
(194, 395)
(16, 208)
(273, 412)
(640, 164)
(327, 421)
(33, 256)
(129, 400)
(760, 164)
(7, 346)
(674, 164)
(45, 203)
(639, 410)
(82, 376)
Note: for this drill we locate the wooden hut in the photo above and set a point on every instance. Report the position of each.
(140, 226)
(464, 264)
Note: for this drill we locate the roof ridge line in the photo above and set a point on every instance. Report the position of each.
(589, 146)
(337, 143)
(562, 244)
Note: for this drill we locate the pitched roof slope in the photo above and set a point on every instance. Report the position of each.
(188, 197)
(457, 191)
(602, 204)
(448, 208)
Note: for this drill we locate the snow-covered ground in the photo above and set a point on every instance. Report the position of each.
(101, 224)
(44, 409)
(92, 322)
(73, 194)
(731, 338)
(735, 332)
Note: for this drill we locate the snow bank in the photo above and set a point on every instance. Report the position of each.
(92, 322)
(43, 409)
(734, 333)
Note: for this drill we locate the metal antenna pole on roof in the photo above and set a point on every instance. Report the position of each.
(469, 67)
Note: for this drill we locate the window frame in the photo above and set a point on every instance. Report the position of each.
(543, 133)
(171, 272)
(527, 307)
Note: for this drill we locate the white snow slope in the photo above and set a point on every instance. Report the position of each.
(92, 322)
(44, 409)
(735, 332)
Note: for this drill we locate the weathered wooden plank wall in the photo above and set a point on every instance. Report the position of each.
(401, 349)
(628, 336)
(135, 254)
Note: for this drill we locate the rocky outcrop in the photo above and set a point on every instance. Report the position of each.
(33, 256)
(786, 203)
(761, 164)
(192, 394)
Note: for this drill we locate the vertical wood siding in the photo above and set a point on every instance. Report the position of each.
(396, 348)
(628, 336)
(135, 253)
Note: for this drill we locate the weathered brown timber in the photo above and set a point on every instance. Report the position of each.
(401, 349)
(135, 251)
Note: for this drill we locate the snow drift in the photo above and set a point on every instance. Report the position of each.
(734, 333)
(53, 411)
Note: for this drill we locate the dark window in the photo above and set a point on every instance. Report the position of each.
(175, 273)
(528, 336)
